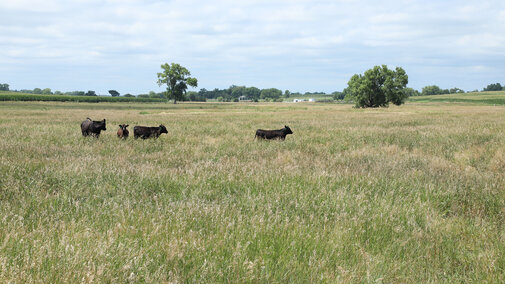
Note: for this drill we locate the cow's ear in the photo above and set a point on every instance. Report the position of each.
(104, 120)
(120, 125)
(127, 125)
(286, 126)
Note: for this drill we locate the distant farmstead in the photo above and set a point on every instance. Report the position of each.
(304, 100)
(244, 99)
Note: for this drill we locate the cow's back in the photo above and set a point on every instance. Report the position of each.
(141, 131)
(85, 126)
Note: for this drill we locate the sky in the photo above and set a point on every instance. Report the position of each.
(296, 45)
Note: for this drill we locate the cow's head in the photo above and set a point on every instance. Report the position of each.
(123, 126)
(163, 129)
(100, 124)
(288, 130)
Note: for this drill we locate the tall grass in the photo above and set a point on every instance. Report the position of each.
(403, 194)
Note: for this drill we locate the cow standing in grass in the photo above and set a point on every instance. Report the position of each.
(92, 127)
(145, 132)
(122, 132)
(273, 134)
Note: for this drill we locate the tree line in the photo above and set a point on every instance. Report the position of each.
(236, 93)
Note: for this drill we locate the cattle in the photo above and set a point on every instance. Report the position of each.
(145, 132)
(92, 127)
(122, 132)
(273, 134)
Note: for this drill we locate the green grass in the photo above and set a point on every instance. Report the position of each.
(483, 98)
(400, 194)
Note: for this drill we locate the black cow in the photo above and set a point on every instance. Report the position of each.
(145, 132)
(92, 127)
(273, 134)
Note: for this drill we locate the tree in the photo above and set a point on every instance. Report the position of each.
(252, 93)
(338, 95)
(177, 79)
(271, 93)
(37, 91)
(378, 87)
(114, 93)
(4, 87)
(128, 96)
(433, 90)
(411, 92)
(287, 93)
(493, 87)
(91, 94)
(237, 92)
(47, 91)
(456, 91)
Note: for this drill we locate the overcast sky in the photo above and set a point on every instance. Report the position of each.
(299, 45)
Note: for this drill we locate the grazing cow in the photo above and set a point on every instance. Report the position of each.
(122, 132)
(145, 132)
(273, 134)
(92, 127)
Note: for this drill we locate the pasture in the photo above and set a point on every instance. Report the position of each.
(402, 194)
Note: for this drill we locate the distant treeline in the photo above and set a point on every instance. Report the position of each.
(231, 94)
(436, 90)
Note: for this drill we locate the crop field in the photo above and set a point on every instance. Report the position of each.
(16, 96)
(414, 193)
(482, 98)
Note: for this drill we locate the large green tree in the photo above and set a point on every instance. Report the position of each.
(378, 87)
(177, 79)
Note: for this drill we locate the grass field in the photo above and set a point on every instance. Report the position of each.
(483, 98)
(402, 194)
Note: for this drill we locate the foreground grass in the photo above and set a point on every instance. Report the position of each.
(404, 194)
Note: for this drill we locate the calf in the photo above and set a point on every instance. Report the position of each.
(145, 132)
(91, 127)
(122, 132)
(273, 134)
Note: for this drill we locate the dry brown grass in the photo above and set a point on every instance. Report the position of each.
(404, 194)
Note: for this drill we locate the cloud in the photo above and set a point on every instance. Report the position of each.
(296, 45)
